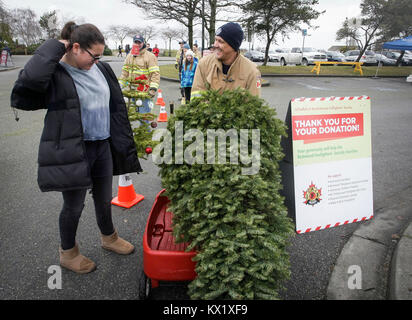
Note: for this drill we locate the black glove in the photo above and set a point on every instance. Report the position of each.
(176, 66)
(152, 91)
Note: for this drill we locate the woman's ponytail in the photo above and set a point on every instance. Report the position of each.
(67, 30)
(85, 34)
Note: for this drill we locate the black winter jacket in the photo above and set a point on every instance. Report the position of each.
(44, 83)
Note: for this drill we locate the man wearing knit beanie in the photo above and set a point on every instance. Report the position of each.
(232, 34)
(226, 68)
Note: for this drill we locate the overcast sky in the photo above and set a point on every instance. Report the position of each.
(104, 13)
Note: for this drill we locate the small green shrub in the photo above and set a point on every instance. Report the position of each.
(107, 51)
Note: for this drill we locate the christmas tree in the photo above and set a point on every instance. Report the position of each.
(135, 90)
(237, 223)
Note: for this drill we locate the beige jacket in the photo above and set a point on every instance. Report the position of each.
(198, 54)
(178, 54)
(242, 73)
(145, 63)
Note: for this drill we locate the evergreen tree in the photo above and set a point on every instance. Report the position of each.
(134, 91)
(237, 223)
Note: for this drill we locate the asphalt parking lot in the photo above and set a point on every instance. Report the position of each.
(29, 236)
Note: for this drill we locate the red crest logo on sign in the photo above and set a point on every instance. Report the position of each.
(312, 195)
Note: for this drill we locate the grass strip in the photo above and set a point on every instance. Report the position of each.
(169, 71)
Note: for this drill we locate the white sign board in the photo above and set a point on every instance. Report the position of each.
(332, 161)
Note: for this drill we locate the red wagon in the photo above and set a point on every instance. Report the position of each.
(163, 259)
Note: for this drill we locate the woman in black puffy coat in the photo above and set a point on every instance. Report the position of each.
(87, 137)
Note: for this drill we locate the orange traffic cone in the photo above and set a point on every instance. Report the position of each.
(159, 98)
(127, 197)
(163, 114)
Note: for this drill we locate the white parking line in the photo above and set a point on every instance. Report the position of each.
(386, 89)
(312, 87)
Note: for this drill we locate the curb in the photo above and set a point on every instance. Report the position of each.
(401, 268)
(265, 84)
(369, 250)
(326, 76)
(8, 69)
(169, 79)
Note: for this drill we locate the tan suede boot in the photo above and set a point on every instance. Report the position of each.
(116, 244)
(74, 261)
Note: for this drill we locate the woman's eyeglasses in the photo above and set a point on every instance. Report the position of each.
(93, 57)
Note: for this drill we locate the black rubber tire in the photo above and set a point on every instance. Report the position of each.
(145, 287)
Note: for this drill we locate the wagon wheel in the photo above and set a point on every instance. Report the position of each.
(145, 287)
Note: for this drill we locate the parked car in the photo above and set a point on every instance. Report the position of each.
(368, 58)
(384, 60)
(406, 60)
(335, 56)
(254, 55)
(296, 56)
(273, 56)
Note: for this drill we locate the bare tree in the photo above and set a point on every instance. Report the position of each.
(172, 33)
(211, 12)
(118, 33)
(147, 32)
(183, 11)
(169, 35)
(198, 34)
(26, 26)
(180, 32)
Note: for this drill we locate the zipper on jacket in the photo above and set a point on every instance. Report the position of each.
(59, 133)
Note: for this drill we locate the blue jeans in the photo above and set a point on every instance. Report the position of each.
(145, 107)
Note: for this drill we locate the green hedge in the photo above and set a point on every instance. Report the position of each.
(107, 51)
(20, 49)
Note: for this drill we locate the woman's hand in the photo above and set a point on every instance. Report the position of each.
(66, 43)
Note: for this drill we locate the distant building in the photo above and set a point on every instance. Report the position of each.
(342, 48)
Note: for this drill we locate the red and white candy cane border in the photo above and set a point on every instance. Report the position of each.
(333, 225)
(331, 98)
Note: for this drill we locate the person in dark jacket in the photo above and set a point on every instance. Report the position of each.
(87, 137)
